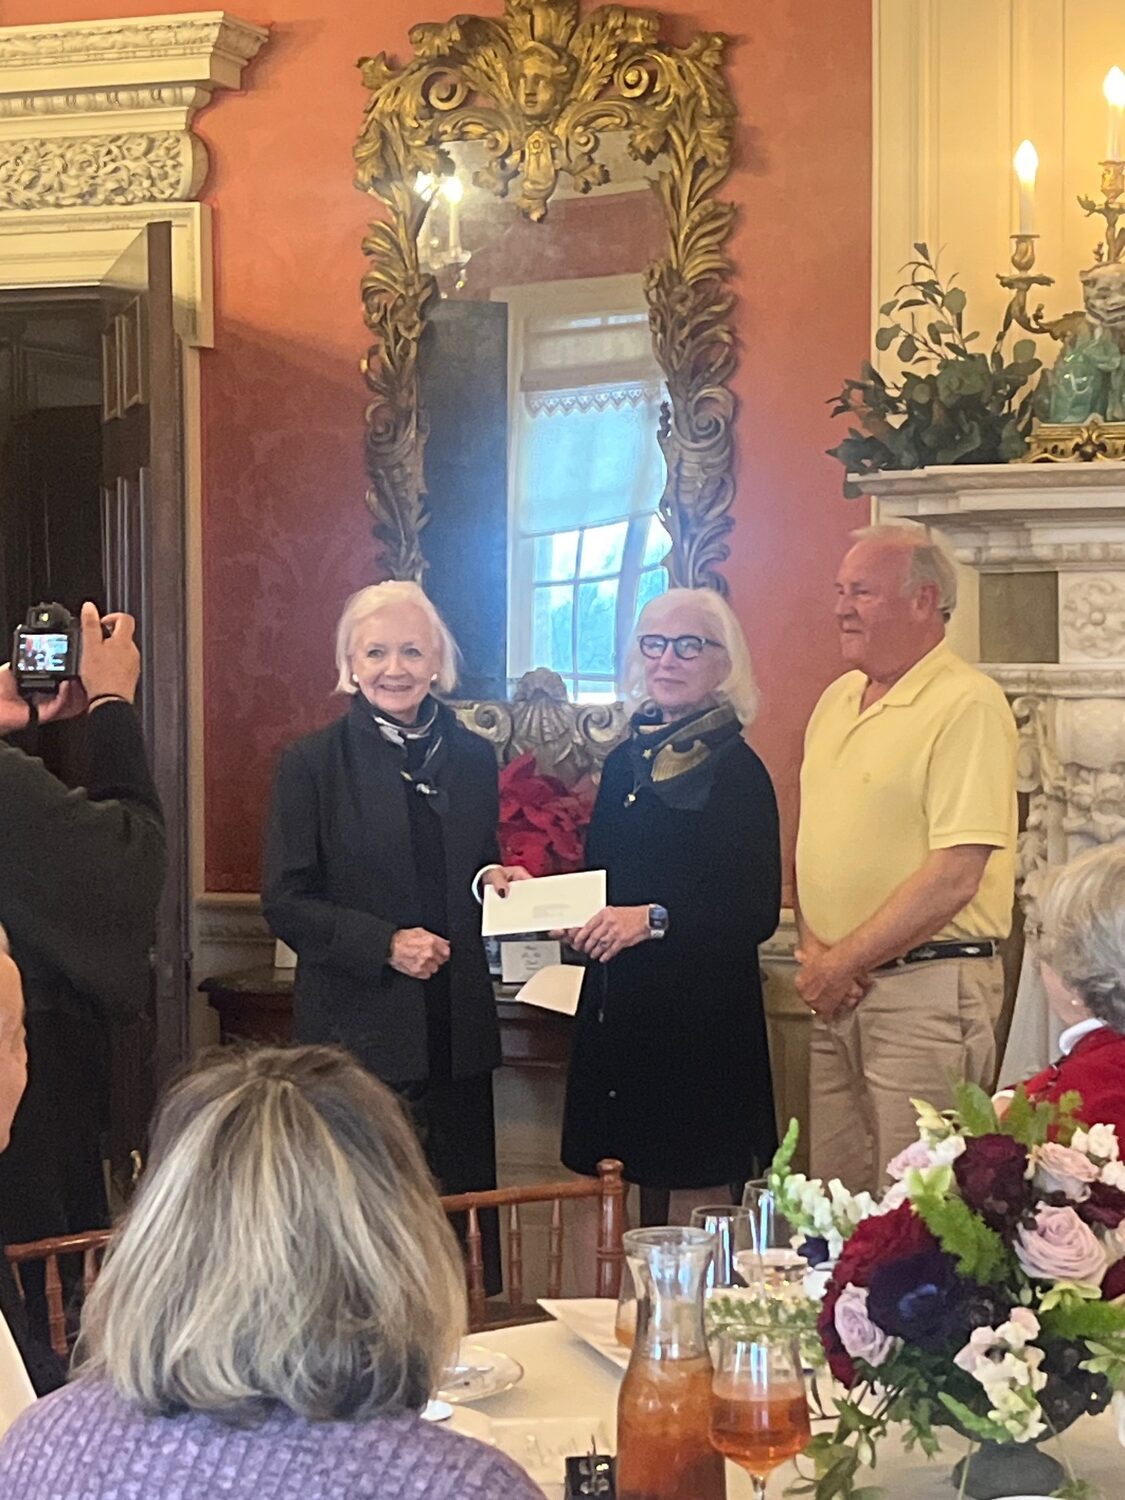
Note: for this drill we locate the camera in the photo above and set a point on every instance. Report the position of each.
(47, 649)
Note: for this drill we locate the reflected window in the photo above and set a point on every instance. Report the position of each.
(586, 475)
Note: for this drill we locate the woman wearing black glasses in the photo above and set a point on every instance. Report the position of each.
(670, 1069)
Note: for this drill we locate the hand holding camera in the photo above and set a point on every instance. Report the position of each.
(63, 665)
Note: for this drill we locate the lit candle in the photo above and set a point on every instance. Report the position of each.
(1114, 90)
(1027, 164)
(453, 190)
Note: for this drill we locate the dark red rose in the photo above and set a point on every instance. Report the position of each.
(875, 1242)
(1113, 1282)
(1105, 1207)
(991, 1173)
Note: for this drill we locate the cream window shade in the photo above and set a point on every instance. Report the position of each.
(586, 415)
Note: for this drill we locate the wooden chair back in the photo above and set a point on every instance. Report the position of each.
(91, 1247)
(608, 1188)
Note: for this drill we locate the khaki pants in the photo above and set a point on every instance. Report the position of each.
(920, 1030)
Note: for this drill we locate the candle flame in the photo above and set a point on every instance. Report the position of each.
(453, 189)
(1026, 160)
(424, 184)
(1114, 88)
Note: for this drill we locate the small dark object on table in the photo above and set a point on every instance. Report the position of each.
(593, 1474)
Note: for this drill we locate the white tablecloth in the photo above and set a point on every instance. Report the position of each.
(564, 1377)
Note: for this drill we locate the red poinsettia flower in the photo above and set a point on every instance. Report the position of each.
(542, 821)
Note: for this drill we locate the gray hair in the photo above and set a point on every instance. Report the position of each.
(372, 601)
(1083, 931)
(738, 686)
(930, 559)
(285, 1245)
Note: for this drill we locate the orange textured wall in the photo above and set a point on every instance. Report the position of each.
(285, 534)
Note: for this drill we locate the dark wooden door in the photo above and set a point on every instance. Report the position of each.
(144, 562)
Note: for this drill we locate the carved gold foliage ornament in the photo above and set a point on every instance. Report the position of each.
(538, 88)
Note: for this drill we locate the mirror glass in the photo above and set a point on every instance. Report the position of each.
(543, 395)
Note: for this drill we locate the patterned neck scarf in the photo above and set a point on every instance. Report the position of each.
(677, 762)
(423, 747)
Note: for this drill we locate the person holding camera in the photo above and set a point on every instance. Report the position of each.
(80, 875)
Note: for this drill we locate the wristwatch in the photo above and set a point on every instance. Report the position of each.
(657, 921)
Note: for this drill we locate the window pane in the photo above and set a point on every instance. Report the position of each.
(597, 615)
(656, 543)
(603, 549)
(592, 691)
(551, 644)
(653, 582)
(556, 556)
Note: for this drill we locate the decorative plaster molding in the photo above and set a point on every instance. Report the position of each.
(210, 44)
(100, 112)
(101, 171)
(1058, 680)
(231, 921)
(1092, 619)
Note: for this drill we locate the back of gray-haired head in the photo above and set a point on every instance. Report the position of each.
(1083, 931)
(930, 560)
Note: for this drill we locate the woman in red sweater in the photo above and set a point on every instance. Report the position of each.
(1082, 948)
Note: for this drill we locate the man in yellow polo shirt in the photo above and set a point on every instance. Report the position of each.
(905, 859)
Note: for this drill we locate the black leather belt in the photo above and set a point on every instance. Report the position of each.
(928, 952)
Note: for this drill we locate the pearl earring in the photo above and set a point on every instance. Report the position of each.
(355, 679)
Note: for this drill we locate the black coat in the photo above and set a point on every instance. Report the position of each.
(340, 880)
(80, 877)
(670, 1070)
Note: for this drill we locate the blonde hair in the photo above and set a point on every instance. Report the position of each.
(1083, 931)
(372, 601)
(285, 1245)
(930, 560)
(738, 686)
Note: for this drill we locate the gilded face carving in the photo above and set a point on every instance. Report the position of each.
(540, 81)
(1103, 292)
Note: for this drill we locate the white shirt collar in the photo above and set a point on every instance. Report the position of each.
(1074, 1034)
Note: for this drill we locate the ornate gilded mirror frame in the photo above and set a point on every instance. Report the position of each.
(538, 87)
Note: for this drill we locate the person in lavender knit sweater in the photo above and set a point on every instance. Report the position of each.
(274, 1313)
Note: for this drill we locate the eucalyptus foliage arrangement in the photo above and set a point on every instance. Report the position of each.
(952, 404)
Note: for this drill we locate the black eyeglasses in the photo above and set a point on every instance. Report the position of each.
(686, 647)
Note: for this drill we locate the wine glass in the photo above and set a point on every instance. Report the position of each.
(731, 1230)
(759, 1412)
(778, 1262)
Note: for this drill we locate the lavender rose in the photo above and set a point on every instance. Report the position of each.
(1061, 1248)
(1061, 1169)
(858, 1334)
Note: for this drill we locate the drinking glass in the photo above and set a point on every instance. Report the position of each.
(759, 1413)
(779, 1264)
(730, 1228)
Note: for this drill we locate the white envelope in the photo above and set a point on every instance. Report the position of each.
(544, 904)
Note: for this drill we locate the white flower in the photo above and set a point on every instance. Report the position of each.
(946, 1152)
(1098, 1141)
(1006, 1365)
(895, 1196)
(1113, 1173)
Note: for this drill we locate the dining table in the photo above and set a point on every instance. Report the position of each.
(568, 1390)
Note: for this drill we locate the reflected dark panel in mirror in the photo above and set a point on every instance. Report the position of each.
(463, 379)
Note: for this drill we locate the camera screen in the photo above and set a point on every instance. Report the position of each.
(43, 653)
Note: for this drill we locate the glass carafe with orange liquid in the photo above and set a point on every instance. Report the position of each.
(664, 1448)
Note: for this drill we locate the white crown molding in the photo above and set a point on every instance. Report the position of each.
(73, 94)
(96, 142)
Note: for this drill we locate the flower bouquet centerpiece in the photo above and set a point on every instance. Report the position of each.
(984, 1291)
(543, 822)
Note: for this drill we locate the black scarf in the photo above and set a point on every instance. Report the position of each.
(677, 762)
(424, 748)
